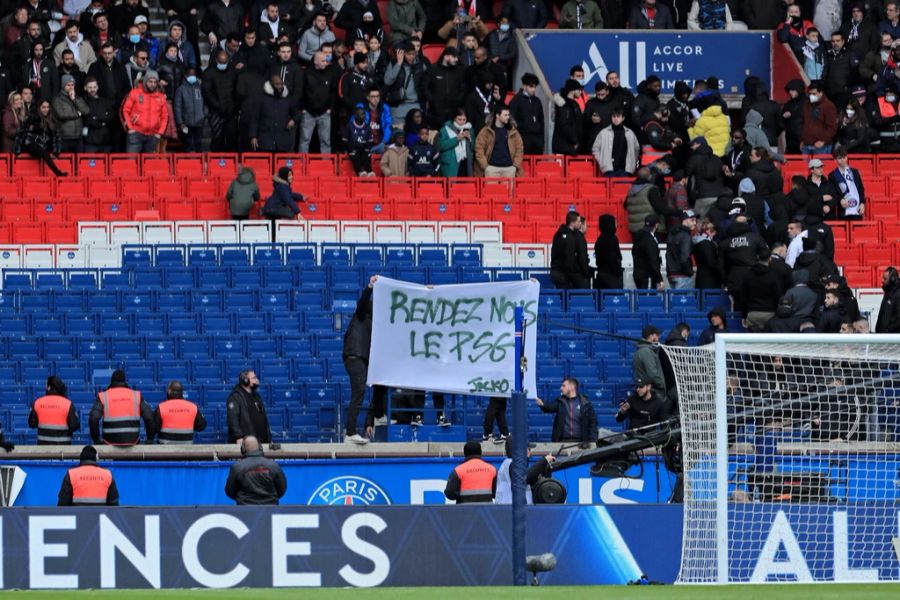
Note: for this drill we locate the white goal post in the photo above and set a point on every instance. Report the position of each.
(791, 454)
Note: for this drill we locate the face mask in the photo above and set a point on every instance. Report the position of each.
(254, 386)
(192, 79)
(891, 98)
(328, 58)
(134, 39)
(221, 67)
(813, 98)
(580, 81)
(504, 27)
(795, 21)
(850, 112)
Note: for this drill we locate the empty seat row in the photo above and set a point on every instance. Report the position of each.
(627, 301)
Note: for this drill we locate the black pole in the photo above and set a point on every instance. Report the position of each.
(519, 466)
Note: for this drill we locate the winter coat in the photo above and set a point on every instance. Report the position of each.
(793, 125)
(269, 125)
(99, 121)
(527, 113)
(766, 178)
(185, 49)
(112, 80)
(222, 20)
(704, 171)
(763, 14)
(189, 107)
(738, 252)
(404, 19)
(762, 290)
(172, 73)
(819, 122)
(567, 129)
(889, 312)
(706, 256)
(242, 193)
(310, 42)
(526, 14)
(607, 253)
(639, 205)
(484, 148)
(603, 147)
(591, 16)
(379, 120)
(715, 126)
(645, 365)
(283, 201)
(643, 107)
(586, 416)
(564, 251)
(444, 89)
(85, 56)
(292, 76)
(678, 252)
(756, 136)
(446, 145)
(840, 71)
(645, 256)
(48, 77)
(68, 115)
(709, 15)
(638, 18)
(218, 91)
(394, 161)
(144, 112)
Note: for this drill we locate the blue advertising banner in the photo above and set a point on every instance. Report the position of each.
(328, 546)
(340, 481)
(683, 56)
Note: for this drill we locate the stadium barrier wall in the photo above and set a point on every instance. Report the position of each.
(341, 481)
(223, 547)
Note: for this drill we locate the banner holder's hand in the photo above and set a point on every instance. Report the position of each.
(372, 280)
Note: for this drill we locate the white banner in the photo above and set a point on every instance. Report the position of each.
(458, 339)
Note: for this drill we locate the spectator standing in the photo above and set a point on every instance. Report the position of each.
(443, 86)
(597, 113)
(649, 14)
(176, 419)
(738, 252)
(246, 411)
(273, 125)
(567, 129)
(81, 48)
(403, 80)
(873, 62)
(99, 121)
(395, 160)
(461, 21)
(185, 13)
(793, 29)
(145, 115)
(851, 193)
(841, 70)
(526, 14)
(314, 38)
(646, 364)
(831, 314)
(319, 94)
(482, 101)
(123, 14)
(14, 116)
(496, 411)
(147, 40)
(358, 137)
(88, 484)
(424, 158)
(53, 415)
(221, 18)
(643, 200)
(853, 131)
(819, 122)
(564, 267)
(715, 127)
(616, 148)
(706, 256)
(190, 111)
(766, 177)
(889, 312)
(40, 73)
(454, 142)
(679, 268)
(608, 256)
(38, 137)
(762, 290)
(647, 270)
(176, 35)
(122, 409)
(575, 419)
(580, 14)
(218, 87)
(68, 112)
(676, 199)
(860, 32)
(891, 23)
(527, 113)
(792, 113)
(255, 479)
(474, 481)
(242, 194)
(407, 20)
(498, 147)
(502, 47)
(643, 407)
(814, 55)
(539, 469)
(282, 204)
(709, 15)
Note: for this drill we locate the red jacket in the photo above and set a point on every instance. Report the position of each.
(821, 129)
(144, 112)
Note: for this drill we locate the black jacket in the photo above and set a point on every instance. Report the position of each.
(527, 113)
(292, 75)
(889, 312)
(320, 89)
(765, 177)
(645, 255)
(247, 416)
(643, 106)
(678, 252)
(705, 172)
(642, 412)
(222, 20)
(738, 253)
(564, 251)
(586, 416)
(706, 256)
(269, 124)
(783, 270)
(762, 290)
(99, 121)
(358, 337)
(64, 498)
(218, 90)
(607, 253)
(567, 131)
(828, 320)
(840, 71)
(352, 87)
(443, 87)
(112, 80)
(255, 479)
(772, 124)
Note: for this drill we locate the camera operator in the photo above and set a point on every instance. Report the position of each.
(642, 407)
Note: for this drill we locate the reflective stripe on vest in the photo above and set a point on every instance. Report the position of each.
(476, 480)
(121, 416)
(650, 155)
(53, 419)
(177, 418)
(90, 484)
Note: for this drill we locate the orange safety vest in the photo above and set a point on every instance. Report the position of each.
(476, 481)
(90, 485)
(177, 416)
(886, 109)
(649, 154)
(53, 419)
(121, 416)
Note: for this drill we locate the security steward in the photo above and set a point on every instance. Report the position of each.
(474, 480)
(122, 410)
(247, 411)
(255, 479)
(176, 419)
(88, 484)
(54, 415)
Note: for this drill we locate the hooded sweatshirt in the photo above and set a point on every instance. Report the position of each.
(753, 126)
(606, 248)
(243, 193)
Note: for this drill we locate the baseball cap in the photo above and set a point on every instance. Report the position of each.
(141, 19)
(640, 382)
(815, 163)
(650, 220)
(858, 90)
(687, 214)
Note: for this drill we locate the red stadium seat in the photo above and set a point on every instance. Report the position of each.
(5, 160)
(49, 210)
(332, 187)
(581, 166)
(115, 209)
(514, 233)
(156, 165)
(181, 210)
(124, 165)
(377, 209)
(322, 165)
(103, 188)
(5, 233)
(430, 189)
(547, 166)
(168, 188)
(440, 209)
(20, 210)
(498, 189)
(295, 162)
(859, 276)
(40, 188)
(406, 209)
(365, 187)
(81, 210)
(213, 210)
(433, 52)
(137, 187)
(93, 165)
(64, 232)
(10, 188)
(25, 166)
(205, 187)
(261, 164)
(399, 188)
(71, 187)
(474, 210)
(224, 165)
(462, 188)
(345, 210)
(529, 187)
(28, 233)
(877, 255)
(865, 232)
(189, 165)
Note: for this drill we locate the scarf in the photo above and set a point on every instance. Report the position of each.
(461, 150)
(473, 10)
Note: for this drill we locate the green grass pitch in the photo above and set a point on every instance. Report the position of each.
(735, 592)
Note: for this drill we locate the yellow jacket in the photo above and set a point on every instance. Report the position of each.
(715, 126)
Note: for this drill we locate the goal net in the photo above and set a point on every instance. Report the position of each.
(791, 454)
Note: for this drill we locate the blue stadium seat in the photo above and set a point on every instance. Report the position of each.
(93, 348)
(83, 396)
(116, 324)
(308, 299)
(401, 255)
(242, 300)
(588, 373)
(193, 347)
(48, 324)
(369, 256)
(715, 299)
(126, 347)
(466, 255)
(682, 300)
(147, 279)
(312, 277)
(180, 278)
(9, 372)
(24, 348)
(276, 300)
(286, 394)
(604, 347)
(296, 345)
(103, 301)
(138, 300)
(444, 275)
(172, 301)
(649, 301)
(571, 346)
(277, 422)
(286, 323)
(234, 366)
(562, 323)
(505, 274)
(203, 256)
(262, 347)
(696, 320)
(69, 301)
(629, 324)
(329, 346)
(319, 322)
(595, 322)
(8, 302)
(275, 371)
(335, 255)
(159, 347)
(474, 275)
(615, 301)
(301, 254)
(142, 375)
(150, 323)
(551, 300)
(433, 255)
(207, 371)
(80, 324)
(50, 281)
(664, 322)
(603, 395)
(323, 394)
(247, 278)
(216, 323)
(582, 300)
(114, 280)
(214, 278)
(413, 274)
(166, 255)
(206, 300)
(82, 280)
(12, 324)
(183, 324)
(72, 373)
(14, 281)
(227, 347)
(618, 371)
(35, 373)
(59, 348)
(346, 278)
(279, 277)
(235, 255)
(168, 370)
(35, 301)
(250, 324)
(268, 255)
(137, 255)
(308, 368)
